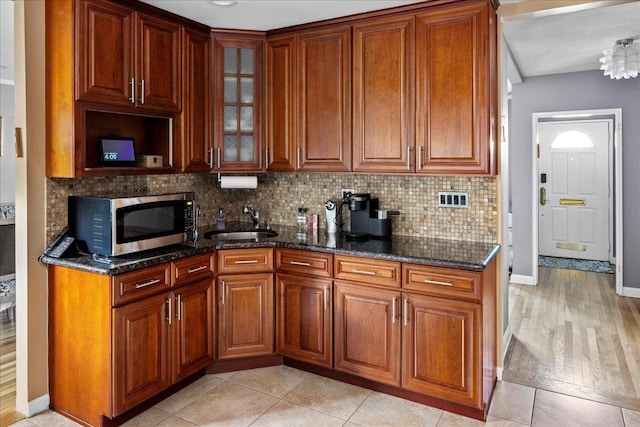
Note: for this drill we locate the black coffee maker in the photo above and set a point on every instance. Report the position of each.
(365, 218)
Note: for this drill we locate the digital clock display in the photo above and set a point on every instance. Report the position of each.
(117, 151)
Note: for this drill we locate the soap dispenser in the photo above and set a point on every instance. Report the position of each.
(220, 220)
(330, 213)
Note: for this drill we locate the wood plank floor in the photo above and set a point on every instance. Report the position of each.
(8, 414)
(573, 335)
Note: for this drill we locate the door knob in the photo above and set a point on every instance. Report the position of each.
(543, 196)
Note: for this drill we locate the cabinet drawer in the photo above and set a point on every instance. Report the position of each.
(369, 271)
(191, 269)
(304, 262)
(138, 284)
(245, 260)
(446, 282)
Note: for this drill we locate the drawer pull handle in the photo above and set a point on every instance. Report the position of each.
(435, 282)
(370, 273)
(145, 284)
(248, 261)
(304, 264)
(194, 270)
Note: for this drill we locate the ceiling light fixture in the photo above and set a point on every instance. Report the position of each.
(224, 2)
(622, 60)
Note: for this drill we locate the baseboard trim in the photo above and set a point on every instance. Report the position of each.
(38, 405)
(521, 280)
(506, 339)
(630, 292)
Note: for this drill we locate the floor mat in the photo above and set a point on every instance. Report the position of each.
(575, 264)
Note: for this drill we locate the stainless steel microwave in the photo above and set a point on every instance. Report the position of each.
(118, 226)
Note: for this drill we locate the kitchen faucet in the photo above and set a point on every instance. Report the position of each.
(253, 214)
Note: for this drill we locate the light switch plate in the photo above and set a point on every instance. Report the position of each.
(450, 199)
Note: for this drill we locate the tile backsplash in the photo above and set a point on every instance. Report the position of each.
(279, 195)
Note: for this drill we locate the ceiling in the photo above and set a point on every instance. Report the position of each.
(568, 42)
(561, 41)
(269, 14)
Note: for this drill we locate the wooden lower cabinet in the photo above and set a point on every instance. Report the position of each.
(161, 340)
(141, 351)
(304, 318)
(441, 348)
(367, 332)
(194, 331)
(246, 315)
(116, 341)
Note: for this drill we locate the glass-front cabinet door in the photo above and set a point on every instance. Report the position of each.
(238, 103)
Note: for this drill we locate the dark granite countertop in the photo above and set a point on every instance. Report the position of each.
(437, 252)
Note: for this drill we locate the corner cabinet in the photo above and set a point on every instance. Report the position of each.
(245, 303)
(456, 89)
(238, 88)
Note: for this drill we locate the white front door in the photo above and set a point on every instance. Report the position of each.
(573, 180)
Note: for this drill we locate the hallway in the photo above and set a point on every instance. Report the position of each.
(573, 335)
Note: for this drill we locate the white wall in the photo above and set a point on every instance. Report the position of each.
(8, 159)
(563, 92)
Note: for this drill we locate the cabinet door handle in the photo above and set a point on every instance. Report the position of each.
(436, 282)
(224, 293)
(179, 307)
(405, 311)
(393, 310)
(142, 91)
(145, 284)
(367, 272)
(326, 298)
(218, 160)
(266, 157)
(169, 300)
(304, 264)
(195, 270)
(132, 83)
(247, 261)
(408, 157)
(419, 158)
(211, 157)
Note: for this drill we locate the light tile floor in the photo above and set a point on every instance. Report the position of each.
(283, 396)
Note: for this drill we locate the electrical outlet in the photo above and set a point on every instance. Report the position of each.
(345, 191)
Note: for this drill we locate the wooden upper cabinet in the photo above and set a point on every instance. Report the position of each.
(127, 58)
(158, 63)
(324, 99)
(105, 47)
(196, 121)
(383, 86)
(238, 88)
(280, 104)
(455, 96)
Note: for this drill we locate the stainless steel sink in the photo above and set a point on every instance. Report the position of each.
(256, 234)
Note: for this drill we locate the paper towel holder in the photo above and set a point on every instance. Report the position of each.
(253, 186)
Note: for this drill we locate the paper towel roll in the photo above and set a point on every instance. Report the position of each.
(238, 181)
